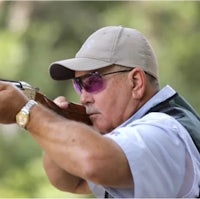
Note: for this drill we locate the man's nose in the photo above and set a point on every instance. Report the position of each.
(86, 97)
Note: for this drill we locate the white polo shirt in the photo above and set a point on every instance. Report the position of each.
(163, 159)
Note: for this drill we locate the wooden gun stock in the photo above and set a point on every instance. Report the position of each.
(74, 111)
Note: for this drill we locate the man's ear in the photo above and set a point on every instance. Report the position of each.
(137, 80)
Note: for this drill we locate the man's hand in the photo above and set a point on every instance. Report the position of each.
(12, 100)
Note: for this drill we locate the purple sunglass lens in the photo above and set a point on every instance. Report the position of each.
(77, 86)
(94, 83)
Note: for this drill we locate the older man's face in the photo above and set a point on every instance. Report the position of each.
(113, 104)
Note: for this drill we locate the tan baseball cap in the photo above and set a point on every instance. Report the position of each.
(107, 46)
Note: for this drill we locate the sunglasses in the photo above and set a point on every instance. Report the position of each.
(92, 82)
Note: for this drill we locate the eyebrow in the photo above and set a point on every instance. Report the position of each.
(86, 75)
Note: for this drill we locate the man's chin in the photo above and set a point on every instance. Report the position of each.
(102, 129)
(100, 124)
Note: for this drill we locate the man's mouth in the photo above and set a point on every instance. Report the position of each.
(92, 115)
(90, 111)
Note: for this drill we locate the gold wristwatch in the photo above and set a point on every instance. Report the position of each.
(22, 118)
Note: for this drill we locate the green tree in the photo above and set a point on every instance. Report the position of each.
(34, 34)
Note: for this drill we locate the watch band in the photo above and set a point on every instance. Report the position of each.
(22, 116)
(26, 109)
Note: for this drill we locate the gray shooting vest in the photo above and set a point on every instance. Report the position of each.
(182, 111)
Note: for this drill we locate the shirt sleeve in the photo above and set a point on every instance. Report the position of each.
(155, 153)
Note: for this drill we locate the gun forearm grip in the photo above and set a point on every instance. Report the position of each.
(74, 111)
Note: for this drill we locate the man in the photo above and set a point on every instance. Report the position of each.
(143, 142)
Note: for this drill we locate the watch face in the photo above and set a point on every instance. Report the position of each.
(22, 119)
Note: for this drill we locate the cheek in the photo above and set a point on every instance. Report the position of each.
(111, 105)
(108, 102)
(109, 108)
(104, 120)
(105, 105)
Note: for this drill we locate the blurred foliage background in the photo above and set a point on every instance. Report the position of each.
(35, 33)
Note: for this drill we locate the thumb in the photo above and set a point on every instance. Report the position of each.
(61, 101)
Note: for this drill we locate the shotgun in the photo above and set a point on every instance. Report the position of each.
(74, 111)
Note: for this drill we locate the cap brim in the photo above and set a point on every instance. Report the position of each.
(65, 69)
